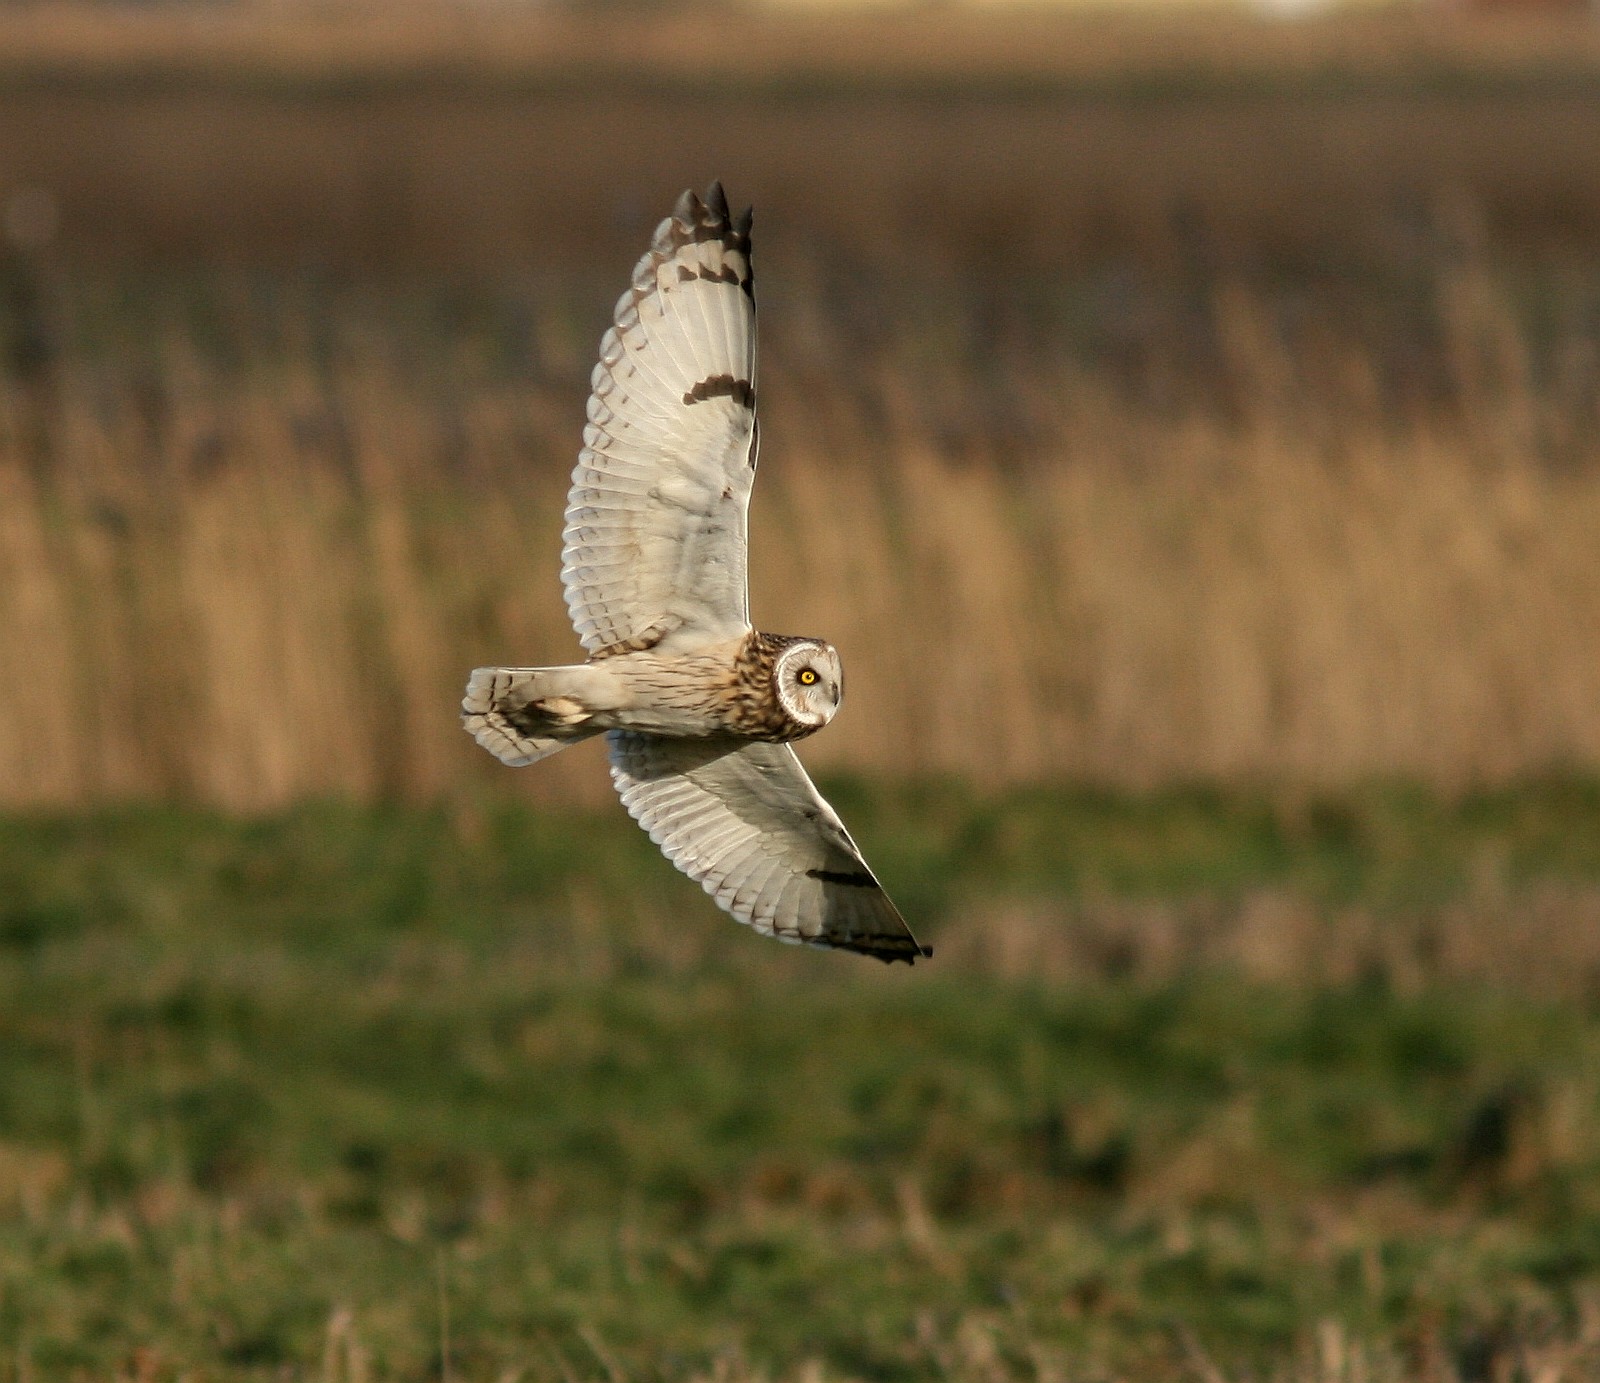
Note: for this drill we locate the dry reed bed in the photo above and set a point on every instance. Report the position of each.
(252, 560)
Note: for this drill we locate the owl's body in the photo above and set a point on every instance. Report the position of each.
(697, 705)
(724, 688)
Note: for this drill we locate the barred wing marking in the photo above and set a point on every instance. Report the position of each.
(742, 818)
(656, 536)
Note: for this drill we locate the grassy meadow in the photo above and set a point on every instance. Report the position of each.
(1189, 434)
(1197, 1087)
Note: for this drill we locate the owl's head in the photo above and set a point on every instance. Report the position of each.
(809, 681)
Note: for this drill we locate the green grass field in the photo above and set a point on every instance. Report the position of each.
(493, 1093)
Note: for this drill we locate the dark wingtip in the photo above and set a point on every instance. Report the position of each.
(717, 200)
(684, 208)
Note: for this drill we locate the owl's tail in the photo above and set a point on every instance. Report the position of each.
(524, 714)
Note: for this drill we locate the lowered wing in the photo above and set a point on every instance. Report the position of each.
(742, 818)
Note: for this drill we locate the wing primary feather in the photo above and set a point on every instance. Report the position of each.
(734, 245)
(691, 284)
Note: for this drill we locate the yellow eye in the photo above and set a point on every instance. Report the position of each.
(807, 677)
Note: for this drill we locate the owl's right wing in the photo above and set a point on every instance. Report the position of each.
(742, 818)
(655, 536)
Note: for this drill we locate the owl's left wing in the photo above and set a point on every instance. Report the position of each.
(742, 818)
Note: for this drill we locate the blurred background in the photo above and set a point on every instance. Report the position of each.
(1186, 421)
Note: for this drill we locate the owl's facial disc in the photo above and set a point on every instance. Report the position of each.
(809, 681)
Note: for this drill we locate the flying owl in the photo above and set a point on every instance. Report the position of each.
(698, 707)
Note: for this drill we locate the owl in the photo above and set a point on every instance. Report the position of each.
(699, 708)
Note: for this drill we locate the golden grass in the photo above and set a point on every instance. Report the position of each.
(251, 547)
(1141, 399)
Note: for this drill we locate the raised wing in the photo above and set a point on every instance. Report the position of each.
(742, 818)
(655, 536)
